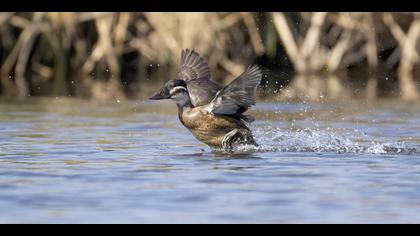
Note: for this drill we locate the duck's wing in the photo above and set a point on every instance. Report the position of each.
(202, 91)
(196, 72)
(193, 66)
(239, 95)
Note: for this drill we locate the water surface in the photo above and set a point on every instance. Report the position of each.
(70, 161)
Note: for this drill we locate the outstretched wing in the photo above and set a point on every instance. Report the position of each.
(202, 91)
(193, 66)
(239, 95)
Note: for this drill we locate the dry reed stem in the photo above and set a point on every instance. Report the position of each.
(330, 41)
(253, 33)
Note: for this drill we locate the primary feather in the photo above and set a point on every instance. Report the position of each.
(193, 66)
(239, 95)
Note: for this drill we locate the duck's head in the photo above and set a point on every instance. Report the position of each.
(175, 90)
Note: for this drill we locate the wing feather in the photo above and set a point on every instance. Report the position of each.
(193, 66)
(239, 95)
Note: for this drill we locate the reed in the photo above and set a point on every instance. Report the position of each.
(118, 55)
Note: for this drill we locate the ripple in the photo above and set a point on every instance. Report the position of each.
(88, 163)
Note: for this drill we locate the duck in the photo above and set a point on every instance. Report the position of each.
(213, 113)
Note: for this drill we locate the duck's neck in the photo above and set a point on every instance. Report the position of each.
(182, 107)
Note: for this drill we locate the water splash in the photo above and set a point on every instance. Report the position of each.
(273, 139)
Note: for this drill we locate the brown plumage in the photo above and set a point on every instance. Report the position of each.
(211, 129)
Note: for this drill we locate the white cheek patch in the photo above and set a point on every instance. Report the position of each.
(177, 89)
(179, 95)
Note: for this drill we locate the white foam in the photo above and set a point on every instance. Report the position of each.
(274, 139)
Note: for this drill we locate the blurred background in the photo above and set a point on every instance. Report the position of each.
(306, 56)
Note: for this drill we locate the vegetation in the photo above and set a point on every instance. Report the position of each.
(121, 55)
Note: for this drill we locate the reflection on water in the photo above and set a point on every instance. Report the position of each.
(73, 161)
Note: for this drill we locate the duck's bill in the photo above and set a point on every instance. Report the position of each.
(158, 96)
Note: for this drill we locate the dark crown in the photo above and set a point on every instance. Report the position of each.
(176, 83)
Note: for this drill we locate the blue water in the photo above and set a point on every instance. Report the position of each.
(69, 161)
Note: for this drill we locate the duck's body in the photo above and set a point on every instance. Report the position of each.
(212, 129)
(213, 114)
